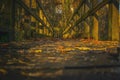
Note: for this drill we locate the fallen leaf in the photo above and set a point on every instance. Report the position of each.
(83, 48)
(34, 51)
(3, 71)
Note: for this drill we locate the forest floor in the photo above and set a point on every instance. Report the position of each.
(56, 59)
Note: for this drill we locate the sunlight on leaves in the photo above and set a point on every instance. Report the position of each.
(83, 48)
(34, 51)
(69, 49)
(99, 49)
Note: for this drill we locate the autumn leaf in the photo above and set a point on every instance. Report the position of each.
(3, 71)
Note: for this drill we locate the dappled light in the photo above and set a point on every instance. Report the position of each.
(49, 59)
